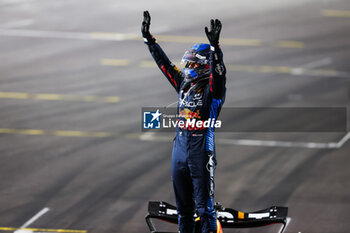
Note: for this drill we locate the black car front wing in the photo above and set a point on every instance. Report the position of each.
(229, 218)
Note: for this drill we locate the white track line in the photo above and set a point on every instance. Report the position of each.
(151, 136)
(304, 69)
(318, 63)
(268, 143)
(287, 223)
(171, 104)
(310, 145)
(343, 140)
(33, 219)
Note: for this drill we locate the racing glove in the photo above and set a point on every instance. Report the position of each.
(214, 33)
(147, 37)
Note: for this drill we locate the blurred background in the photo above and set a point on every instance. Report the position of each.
(74, 76)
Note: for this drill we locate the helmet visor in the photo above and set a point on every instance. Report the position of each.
(190, 56)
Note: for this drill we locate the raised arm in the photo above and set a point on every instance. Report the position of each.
(169, 70)
(217, 66)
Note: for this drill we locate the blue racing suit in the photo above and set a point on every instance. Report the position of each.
(193, 156)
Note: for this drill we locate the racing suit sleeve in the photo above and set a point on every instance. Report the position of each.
(169, 70)
(218, 73)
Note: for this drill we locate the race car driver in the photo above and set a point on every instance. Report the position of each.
(201, 94)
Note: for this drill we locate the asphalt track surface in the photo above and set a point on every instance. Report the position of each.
(73, 156)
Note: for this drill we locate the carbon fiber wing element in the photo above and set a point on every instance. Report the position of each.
(228, 217)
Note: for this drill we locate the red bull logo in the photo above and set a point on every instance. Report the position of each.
(188, 114)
